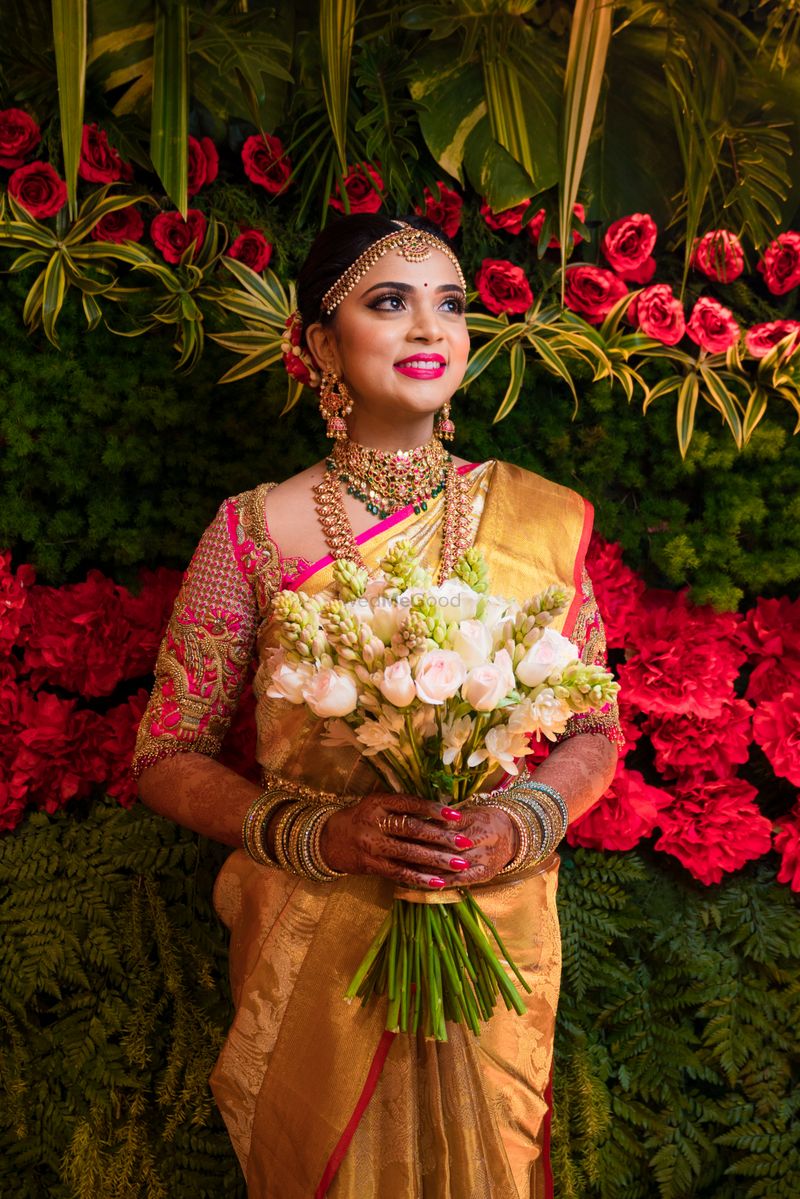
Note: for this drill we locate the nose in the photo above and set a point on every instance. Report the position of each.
(425, 326)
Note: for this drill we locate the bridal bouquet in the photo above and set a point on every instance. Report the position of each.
(442, 686)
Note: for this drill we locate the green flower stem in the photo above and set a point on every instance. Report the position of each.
(392, 956)
(445, 952)
(480, 914)
(507, 988)
(369, 958)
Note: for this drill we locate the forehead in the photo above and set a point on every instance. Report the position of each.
(436, 271)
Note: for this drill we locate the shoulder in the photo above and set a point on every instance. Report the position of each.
(534, 484)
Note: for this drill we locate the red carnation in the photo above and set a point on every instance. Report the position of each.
(592, 291)
(203, 164)
(628, 811)
(776, 728)
(172, 235)
(536, 223)
(56, 760)
(787, 844)
(684, 660)
(252, 248)
(695, 749)
(9, 709)
(14, 601)
(714, 827)
(719, 256)
(507, 221)
(114, 738)
(38, 188)
(780, 265)
(502, 286)
(443, 209)
(265, 163)
(760, 339)
(144, 617)
(125, 224)
(629, 718)
(628, 245)
(239, 750)
(19, 137)
(712, 326)
(617, 588)
(364, 188)
(771, 636)
(659, 314)
(99, 161)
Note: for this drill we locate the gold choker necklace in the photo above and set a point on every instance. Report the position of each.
(387, 480)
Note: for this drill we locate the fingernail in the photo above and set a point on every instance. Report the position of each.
(462, 842)
(451, 814)
(459, 864)
(438, 883)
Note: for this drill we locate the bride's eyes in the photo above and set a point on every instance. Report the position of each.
(393, 301)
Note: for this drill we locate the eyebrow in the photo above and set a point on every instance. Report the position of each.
(408, 287)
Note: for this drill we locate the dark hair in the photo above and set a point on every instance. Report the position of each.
(337, 247)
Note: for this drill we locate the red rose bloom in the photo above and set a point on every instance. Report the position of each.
(771, 636)
(628, 811)
(507, 221)
(714, 827)
(39, 189)
(760, 339)
(265, 163)
(617, 588)
(536, 223)
(251, 248)
(719, 256)
(172, 234)
(592, 292)
(787, 844)
(19, 137)
(695, 749)
(443, 210)
(684, 660)
(364, 188)
(125, 224)
(144, 617)
(712, 326)
(99, 162)
(503, 287)
(776, 728)
(203, 164)
(14, 601)
(780, 265)
(659, 314)
(628, 245)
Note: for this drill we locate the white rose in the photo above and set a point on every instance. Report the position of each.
(397, 685)
(473, 641)
(496, 611)
(485, 686)
(552, 652)
(438, 675)
(456, 599)
(386, 619)
(550, 714)
(287, 681)
(331, 692)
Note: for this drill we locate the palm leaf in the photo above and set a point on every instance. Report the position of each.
(555, 363)
(755, 410)
(266, 356)
(482, 357)
(517, 365)
(55, 286)
(725, 401)
(337, 21)
(687, 408)
(69, 38)
(170, 116)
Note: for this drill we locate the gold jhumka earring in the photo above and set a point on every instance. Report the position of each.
(444, 428)
(335, 403)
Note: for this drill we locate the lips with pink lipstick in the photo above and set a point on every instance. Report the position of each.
(422, 366)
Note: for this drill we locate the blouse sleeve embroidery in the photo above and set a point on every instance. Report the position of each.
(590, 638)
(203, 658)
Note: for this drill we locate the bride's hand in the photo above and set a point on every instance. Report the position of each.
(416, 843)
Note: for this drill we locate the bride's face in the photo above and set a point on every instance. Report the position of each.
(399, 339)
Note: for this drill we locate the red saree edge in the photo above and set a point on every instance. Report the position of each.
(337, 1157)
(580, 558)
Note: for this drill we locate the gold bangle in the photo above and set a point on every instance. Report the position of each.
(280, 836)
(315, 846)
(259, 812)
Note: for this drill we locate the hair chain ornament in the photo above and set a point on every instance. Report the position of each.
(415, 245)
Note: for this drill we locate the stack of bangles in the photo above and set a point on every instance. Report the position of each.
(297, 833)
(539, 815)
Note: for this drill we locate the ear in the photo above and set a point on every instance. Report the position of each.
(321, 342)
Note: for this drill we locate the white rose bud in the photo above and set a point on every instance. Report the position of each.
(397, 685)
(331, 692)
(439, 674)
(484, 687)
(552, 652)
(287, 682)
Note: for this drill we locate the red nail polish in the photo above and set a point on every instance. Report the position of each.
(437, 883)
(451, 814)
(462, 842)
(459, 864)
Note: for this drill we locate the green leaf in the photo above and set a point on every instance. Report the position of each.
(170, 116)
(482, 357)
(555, 363)
(337, 20)
(253, 363)
(725, 401)
(70, 41)
(517, 364)
(664, 387)
(687, 407)
(755, 410)
(55, 285)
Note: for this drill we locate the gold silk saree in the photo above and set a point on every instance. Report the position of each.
(317, 1097)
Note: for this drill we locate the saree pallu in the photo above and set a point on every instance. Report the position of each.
(463, 1119)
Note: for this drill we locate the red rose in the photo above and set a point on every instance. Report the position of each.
(251, 248)
(99, 162)
(145, 616)
(714, 827)
(592, 292)
(628, 245)
(684, 660)
(239, 751)
(14, 601)
(265, 164)
(780, 265)
(203, 164)
(628, 811)
(503, 287)
(536, 223)
(19, 137)
(787, 844)
(771, 636)
(776, 728)
(125, 224)
(617, 588)
(694, 749)
(39, 188)
(114, 738)
(760, 339)
(364, 187)
(659, 314)
(719, 255)
(443, 210)
(172, 234)
(712, 326)
(508, 221)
